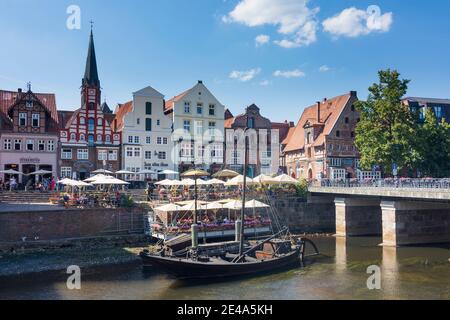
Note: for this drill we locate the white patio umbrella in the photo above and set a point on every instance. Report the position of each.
(147, 172)
(94, 178)
(103, 171)
(40, 173)
(264, 179)
(215, 182)
(239, 180)
(233, 205)
(64, 181)
(167, 172)
(216, 205)
(188, 182)
(256, 204)
(285, 179)
(10, 171)
(169, 208)
(109, 181)
(190, 205)
(170, 183)
(125, 172)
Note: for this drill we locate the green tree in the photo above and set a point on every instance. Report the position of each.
(386, 131)
(434, 146)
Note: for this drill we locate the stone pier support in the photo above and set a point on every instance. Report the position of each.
(408, 222)
(357, 217)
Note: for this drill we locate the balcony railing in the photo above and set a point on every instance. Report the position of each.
(402, 183)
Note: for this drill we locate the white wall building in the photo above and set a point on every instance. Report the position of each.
(198, 129)
(146, 132)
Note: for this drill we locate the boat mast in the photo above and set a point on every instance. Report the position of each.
(194, 226)
(244, 187)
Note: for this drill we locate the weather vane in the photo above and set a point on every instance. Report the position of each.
(92, 24)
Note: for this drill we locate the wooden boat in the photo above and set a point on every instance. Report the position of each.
(274, 253)
(218, 267)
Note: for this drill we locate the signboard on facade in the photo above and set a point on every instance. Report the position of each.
(30, 160)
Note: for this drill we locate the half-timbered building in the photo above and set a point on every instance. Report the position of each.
(28, 134)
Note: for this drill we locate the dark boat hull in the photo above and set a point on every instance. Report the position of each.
(187, 269)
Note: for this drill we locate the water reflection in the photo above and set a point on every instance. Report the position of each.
(341, 255)
(389, 273)
(407, 273)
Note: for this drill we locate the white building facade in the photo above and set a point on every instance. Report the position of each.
(146, 133)
(198, 129)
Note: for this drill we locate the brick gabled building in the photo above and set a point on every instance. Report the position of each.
(88, 140)
(322, 144)
(28, 133)
(264, 142)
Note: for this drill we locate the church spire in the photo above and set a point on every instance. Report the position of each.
(91, 73)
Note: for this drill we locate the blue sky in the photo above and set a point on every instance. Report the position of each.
(170, 44)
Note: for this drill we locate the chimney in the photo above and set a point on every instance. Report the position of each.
(200, 81)
(19, 90)
(318, 111)
(353, 93)
(325, 99)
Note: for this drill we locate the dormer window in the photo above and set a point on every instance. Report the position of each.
(308, 138)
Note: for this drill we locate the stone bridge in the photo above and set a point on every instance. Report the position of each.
(403, 216)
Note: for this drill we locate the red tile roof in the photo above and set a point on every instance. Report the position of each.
(169, 103)
(64, 117)
(121, 111)
(329, 114)
(229, 122)
(289, 135)
(48, 100)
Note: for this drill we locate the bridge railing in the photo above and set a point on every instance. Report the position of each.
(403, 183)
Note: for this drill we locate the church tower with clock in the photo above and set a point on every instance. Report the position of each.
(88, 140)
(90, 84)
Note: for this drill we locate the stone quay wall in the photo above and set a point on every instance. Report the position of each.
(308, 216)
(28, 228)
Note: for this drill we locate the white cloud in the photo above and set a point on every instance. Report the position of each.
(289, 74)
(353, 22)
(324, 68)
(264, 83)
(294, 19)
(245, 76)
(262, 39)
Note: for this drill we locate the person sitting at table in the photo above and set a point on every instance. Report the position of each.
(66, 199)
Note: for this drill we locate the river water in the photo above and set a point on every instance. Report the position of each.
(341, 273)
